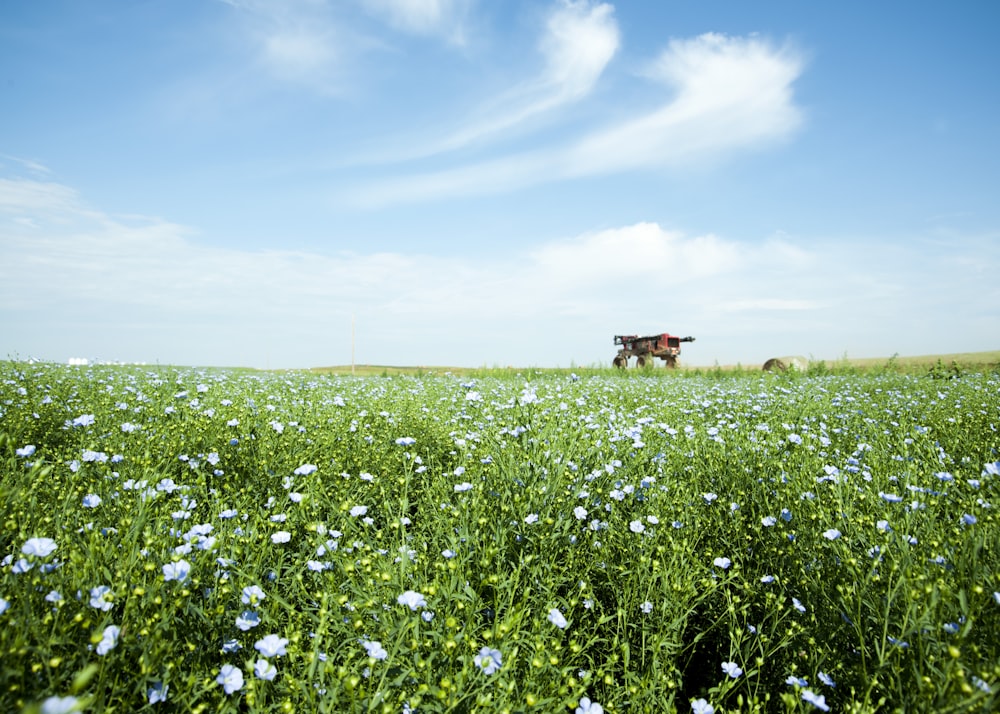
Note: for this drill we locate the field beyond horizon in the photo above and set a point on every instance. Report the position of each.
(972, 361)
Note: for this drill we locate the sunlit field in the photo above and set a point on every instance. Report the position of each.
(210, 541)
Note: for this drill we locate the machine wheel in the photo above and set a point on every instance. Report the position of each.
(640, 361)
(620, 362)
(671, 362)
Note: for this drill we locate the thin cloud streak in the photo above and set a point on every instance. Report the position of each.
(579, 41)
(299, 42)
(728, 94)
(425, 17)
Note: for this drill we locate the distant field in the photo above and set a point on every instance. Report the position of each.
(968, 361)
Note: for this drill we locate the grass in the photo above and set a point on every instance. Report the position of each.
(506, 541)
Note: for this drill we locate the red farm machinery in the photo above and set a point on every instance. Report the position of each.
(666, 346)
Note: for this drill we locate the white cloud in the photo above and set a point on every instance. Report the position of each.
(75, 280)
(33, 167)
(298, 41)
(577, 43)
(728, 94)
(24, 195)
(424, 17)
(640, 252)
(582, 38)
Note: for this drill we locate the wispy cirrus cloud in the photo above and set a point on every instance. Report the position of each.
(725, 94)
(577, 41)
(317, 43)
(445, 18)
(298, 41)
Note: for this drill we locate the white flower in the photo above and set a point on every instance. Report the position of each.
(732, 669)
(557, 619)
(374, 649)
(178, 571)
(768, 521)
(359, 511)
(91, 500)
(531, 518)
(589, 707)
(39, 547)
(462, 487)
(700, 706)
(412, 600)
(60, 705)
(831, 534)
(271, 646)
(722, 562)
(25, 451)
(580, 512)
(817, 700)
(99, 598)
(109, 640)
(247, 619)
(636, 527)
(647, 607)
(263, 669)
(252, 595)
(304, 470)
(231, 678)
(281, 537)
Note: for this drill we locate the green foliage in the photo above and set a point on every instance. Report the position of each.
(806, 528)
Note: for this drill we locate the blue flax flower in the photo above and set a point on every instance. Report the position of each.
(817, 700)
(700, 706)
(231, 678)
(488, 660)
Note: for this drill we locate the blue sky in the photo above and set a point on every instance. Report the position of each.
(234, 182)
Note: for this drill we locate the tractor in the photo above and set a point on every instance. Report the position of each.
(666, 346)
